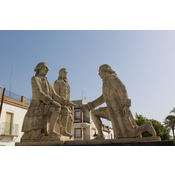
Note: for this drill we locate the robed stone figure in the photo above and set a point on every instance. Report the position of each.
(118, 108)
(44, 109)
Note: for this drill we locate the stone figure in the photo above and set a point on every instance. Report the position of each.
(45, 107)
(62, 88)
(117, 110)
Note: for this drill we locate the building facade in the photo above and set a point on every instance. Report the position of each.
(84, 127)
(13, 110)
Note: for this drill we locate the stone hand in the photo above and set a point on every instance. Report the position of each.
(69, 103)
(71, 108)
(84, 108)
(56, 104)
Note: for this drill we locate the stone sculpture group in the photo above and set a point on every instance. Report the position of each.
(51, 106)
(45, 109)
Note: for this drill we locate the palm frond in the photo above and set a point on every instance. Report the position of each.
(173, 111)
(170, 117)
(169, 122)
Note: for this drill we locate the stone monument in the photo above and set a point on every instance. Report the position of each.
(62, 88)
(44, 110)
(52, 106)
(117, 110)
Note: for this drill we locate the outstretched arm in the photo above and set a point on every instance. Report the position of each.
(93, 104)
(60, 99)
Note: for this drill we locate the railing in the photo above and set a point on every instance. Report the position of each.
(27, 100)
(16, 97)
(83, 119)
(12, 95)
(8, 129)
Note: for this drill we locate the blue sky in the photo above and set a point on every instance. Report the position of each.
(143, 60)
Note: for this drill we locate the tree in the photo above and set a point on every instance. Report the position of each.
(169, 121)
(161, 131)
(172, 111)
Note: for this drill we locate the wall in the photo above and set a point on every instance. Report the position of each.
(18, 116)
(18, 109)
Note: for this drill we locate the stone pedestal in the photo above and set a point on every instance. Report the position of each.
(65, 141)
(46, 141)
(108, 142)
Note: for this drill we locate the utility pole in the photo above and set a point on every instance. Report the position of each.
(11, 80)
(2, 101)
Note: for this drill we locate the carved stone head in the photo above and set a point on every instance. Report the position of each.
(41, 68)
(63, 73)
(105, 68)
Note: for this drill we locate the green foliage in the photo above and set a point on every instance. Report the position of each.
(160, 129)
(169, 122)
(173, 111)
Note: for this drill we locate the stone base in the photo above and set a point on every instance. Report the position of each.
(61, 138)
(45, 141)
(110, 142)
(145, 141)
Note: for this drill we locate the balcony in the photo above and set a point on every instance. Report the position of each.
(83, 119)
(8, 129)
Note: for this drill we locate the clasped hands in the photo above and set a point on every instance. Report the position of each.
(68, 103)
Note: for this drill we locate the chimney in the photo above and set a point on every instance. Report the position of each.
(23, 99)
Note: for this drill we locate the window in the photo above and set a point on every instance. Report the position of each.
(78, 132)
(78, 115)
(8, 123)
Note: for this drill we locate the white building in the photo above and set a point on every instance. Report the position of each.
(84, 127)
(14, 108)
